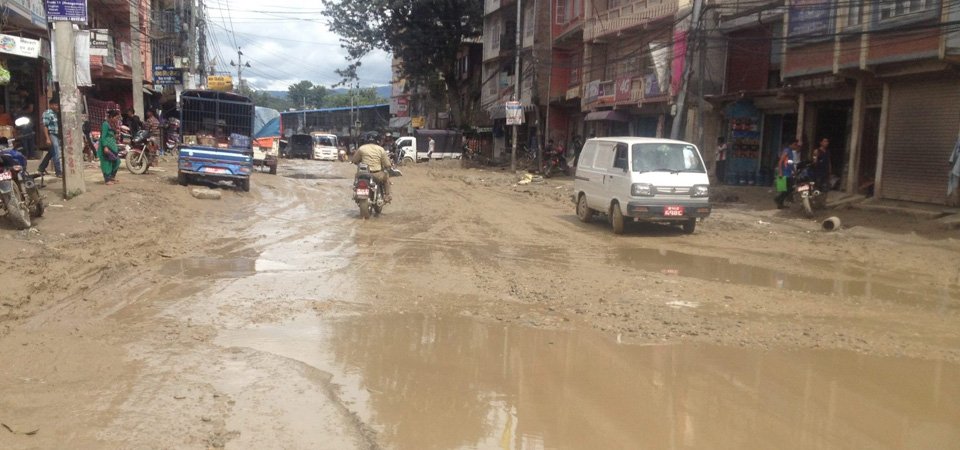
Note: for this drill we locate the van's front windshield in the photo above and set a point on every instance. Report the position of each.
(664, 157)
(326, 141)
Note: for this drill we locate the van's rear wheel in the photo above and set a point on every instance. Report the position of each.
(616, 219)
(690, 226)
(584, 213)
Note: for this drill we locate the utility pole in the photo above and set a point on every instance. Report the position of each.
(240, 65)
(135, 54)
(516, 84)
(71, 142)
(680, 119)
(202, 44)
(192, 38)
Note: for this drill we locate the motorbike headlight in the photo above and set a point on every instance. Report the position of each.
(641, 190)
(701, 190)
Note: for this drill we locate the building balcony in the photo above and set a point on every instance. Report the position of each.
(629, 15)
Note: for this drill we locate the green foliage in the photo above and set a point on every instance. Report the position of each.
(314, 96)
(424, 34)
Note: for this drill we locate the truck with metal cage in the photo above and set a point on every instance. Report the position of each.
(217, 129)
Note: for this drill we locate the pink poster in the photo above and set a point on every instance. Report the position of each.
(676, 67)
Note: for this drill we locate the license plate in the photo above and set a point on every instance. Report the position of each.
(214, 170)
(5, 176)
(803, 188)
(363, 192)
(673, 211)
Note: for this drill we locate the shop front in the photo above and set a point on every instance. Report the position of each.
(756, 130)
(24, 59)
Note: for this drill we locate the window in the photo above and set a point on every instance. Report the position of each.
(620, 157)
(855, 13)
(666, 158)
(562, 12)
(896, 9)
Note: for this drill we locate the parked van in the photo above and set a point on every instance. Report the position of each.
(642, 179)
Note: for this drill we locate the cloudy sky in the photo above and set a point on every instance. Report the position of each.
(285, 41)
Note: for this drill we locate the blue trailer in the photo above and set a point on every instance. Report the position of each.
(216, 138)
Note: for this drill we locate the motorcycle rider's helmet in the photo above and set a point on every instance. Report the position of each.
(369, 138)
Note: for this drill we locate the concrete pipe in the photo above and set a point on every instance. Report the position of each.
(831, 224)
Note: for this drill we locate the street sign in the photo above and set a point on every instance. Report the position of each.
(167, 75)
(67, 10)
(514, 113)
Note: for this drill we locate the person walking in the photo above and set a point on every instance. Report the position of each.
(577, 145)
(108, 151)
(787, 167)
(720, 165)
(51, 129)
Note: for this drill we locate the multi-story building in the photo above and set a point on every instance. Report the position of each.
(501, 74)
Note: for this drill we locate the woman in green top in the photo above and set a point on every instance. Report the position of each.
(107, 150)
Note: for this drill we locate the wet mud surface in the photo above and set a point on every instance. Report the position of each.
(475, 313)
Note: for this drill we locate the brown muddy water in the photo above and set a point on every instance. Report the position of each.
(904, 288)
(427, 382)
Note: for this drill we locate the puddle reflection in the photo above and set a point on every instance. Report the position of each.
(442, 383)
(856, 282)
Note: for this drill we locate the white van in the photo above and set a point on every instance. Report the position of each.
(325, 147)
(643, 179)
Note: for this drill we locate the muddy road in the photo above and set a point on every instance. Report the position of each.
(474, 313)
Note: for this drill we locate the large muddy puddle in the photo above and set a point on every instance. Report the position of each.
(446, 383)
(847, 281)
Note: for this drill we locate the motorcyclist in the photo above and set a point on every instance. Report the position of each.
(377, 161)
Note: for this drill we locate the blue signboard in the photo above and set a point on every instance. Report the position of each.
(167, 75)
(67, 10)
(811, 18)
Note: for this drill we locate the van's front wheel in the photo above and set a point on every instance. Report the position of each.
(616, 219)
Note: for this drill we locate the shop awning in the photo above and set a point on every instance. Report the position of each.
(611, 115)
(399, 122)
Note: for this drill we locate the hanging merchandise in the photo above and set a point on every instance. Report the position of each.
(4, 76)
(744, 146)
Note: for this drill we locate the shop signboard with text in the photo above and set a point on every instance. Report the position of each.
(67, 10)
(812, 18)
(624, 89)
(99, 42)
(514, 113)
(220, 83)
(16, 45)
(167, 75)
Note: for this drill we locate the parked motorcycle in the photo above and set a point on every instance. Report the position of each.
(806, 192)
(20, 197)
(368, 193)
(172, 133)
(142, 153)
(554, 164)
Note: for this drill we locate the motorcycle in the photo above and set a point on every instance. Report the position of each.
(141, 153)
(806, 192)
(553, 164)
(368, 193)
(19, 194)
(173, 136)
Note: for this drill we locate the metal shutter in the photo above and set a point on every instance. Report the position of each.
(921, 132)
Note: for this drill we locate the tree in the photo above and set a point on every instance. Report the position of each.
(425, 35)
(359, 97)
(305, 95)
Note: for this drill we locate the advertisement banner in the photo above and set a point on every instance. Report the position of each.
(99, 41)
(220, 83)
(167, 75)
(16, 45)
(623, 88)
(67, 10)
(514, 113)
(593, 91)
(403, 107)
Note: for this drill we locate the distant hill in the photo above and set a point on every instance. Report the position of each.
(383, 91)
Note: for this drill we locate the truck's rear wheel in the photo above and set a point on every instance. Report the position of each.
(273, 169)
(182, 179)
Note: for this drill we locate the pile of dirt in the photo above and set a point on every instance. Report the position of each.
(103, 234)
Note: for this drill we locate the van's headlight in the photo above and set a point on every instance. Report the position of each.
(641, 190)
(701, 190)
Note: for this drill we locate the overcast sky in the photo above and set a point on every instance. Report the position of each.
(285, 41)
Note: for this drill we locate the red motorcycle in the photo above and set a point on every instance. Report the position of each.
(555, 163)
(142, 153)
